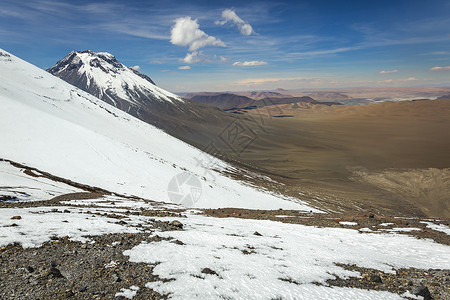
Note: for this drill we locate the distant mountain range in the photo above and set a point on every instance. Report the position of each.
(230, 101)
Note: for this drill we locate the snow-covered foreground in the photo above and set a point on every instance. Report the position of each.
(244, 259)
(38, 225)
(50, 125)
(266, 259)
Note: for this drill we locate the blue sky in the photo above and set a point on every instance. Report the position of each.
(243, 45)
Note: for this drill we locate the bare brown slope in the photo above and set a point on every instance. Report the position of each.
(375, 155)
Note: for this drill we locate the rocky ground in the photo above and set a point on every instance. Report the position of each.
(62, 268)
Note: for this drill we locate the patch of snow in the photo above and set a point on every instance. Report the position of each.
(281, 263)
(438, 227)
(111, 264)
(38, 224)
(409, 295)
(15, 183)
(386, 224)
(348, 223)
(128, 293)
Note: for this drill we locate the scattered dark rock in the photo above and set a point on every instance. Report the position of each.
(376, 279)
(8, 198)
(177, 224)
(257, 233)
(68, 293)
(371, 216)
(16, 218)
(55, 273)
(82, 289)
(423, 291)
(209, 271)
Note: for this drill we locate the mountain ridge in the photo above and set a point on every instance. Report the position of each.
(136, 94)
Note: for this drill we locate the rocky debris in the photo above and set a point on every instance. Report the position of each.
(178, 242)
(209, 271)
(414, 281)
(257, 233)
(55, 273)
(423, 291)
(376, 279)
(176, 224)
(8, 198)
(63, 269)
(16, 218)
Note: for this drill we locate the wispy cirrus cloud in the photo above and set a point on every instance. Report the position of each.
(250, 63)
(401, 80)
(440, 68)
(224, 59)
(256, 81)
(184, 67)
(388, 72)
(229, 15)
(139, 30)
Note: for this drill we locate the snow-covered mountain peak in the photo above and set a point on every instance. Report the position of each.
(102, 75)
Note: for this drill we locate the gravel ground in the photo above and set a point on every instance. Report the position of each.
(62, 268)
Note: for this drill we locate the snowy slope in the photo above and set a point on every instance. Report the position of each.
(104, 76)
(55, 127)
(17, 185)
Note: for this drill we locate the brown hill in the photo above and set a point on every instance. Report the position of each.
(390, 156)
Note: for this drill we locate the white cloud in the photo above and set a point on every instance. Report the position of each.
(250, 63)
(229, 15)
(186, 32)
(184, 67)
(195, 57)
(224, 59)
(440, 68)
(401, 80)
(136, 68)
(388, 72)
